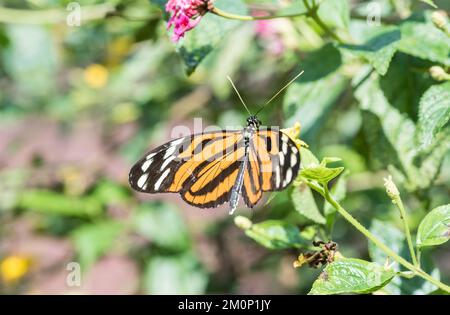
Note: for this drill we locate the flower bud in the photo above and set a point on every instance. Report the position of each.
(391, 189)
(438, 73)
(439, 19)
(242, 222)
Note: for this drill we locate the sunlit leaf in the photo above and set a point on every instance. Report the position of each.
(308, 158)
(49, 202)
(425, 41)
(349, 275)
(276, 234)
(378, 51)
(430, 2)
(434, 113)
(388, 131)
(395, 239)
(435, 227)
(304, 203)
(321, 174)
(335, 13)
(310, 97)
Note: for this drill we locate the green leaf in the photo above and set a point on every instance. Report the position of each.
(329, 159)
(390, 234)
(308, 158)
(435, 227)
(335, 13)
(161, 224)
(304, 203)
(228, 59)
(350, 275)
(208, 34)
(385, 103)
(321, 174)
(179, 274)
(430, 163)
(108, 192)
(430, 2)
(91, 241)
(276, 234)
(351, 160)
(49, 202)
(379, 50)
(388, 131)
(387, 233)
(434, 113)
(312, 95)
(425, 41)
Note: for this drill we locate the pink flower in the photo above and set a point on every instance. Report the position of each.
(185, 15)
(269, 33)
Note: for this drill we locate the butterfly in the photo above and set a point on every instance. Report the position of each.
(210, 168)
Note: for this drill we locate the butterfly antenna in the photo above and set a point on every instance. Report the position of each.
(239, 95)
(281, 90)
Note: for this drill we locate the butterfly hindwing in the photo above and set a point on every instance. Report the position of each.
(278, 158)
(252, 188)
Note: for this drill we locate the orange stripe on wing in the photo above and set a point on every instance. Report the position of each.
(221, 189)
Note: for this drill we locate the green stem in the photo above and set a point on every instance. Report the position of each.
(326, 194)
(398, 202)
(312, 12)
(52, 16)
(419, 255)
(233, 16)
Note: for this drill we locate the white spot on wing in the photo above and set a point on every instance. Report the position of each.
(166, 162)
(160, 180)
(142, 180)
(293, 159)
(176, 142)
(169, 151)
(281, 158)
(285, 148)
(288, 176)
(150, 156)
(146, 165)
(277, 178)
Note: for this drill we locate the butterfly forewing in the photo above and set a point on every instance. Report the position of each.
(197, 166)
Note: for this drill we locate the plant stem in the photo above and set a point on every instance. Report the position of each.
(326, 194)
(233, 16)
(419, 255)
(312, 12)
(398, 202)
(53, 16)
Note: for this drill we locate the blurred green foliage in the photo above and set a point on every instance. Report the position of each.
(79, 105)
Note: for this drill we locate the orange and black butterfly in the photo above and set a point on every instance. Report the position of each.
(210, 168)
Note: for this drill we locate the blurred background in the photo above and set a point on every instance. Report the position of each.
(80, 104)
